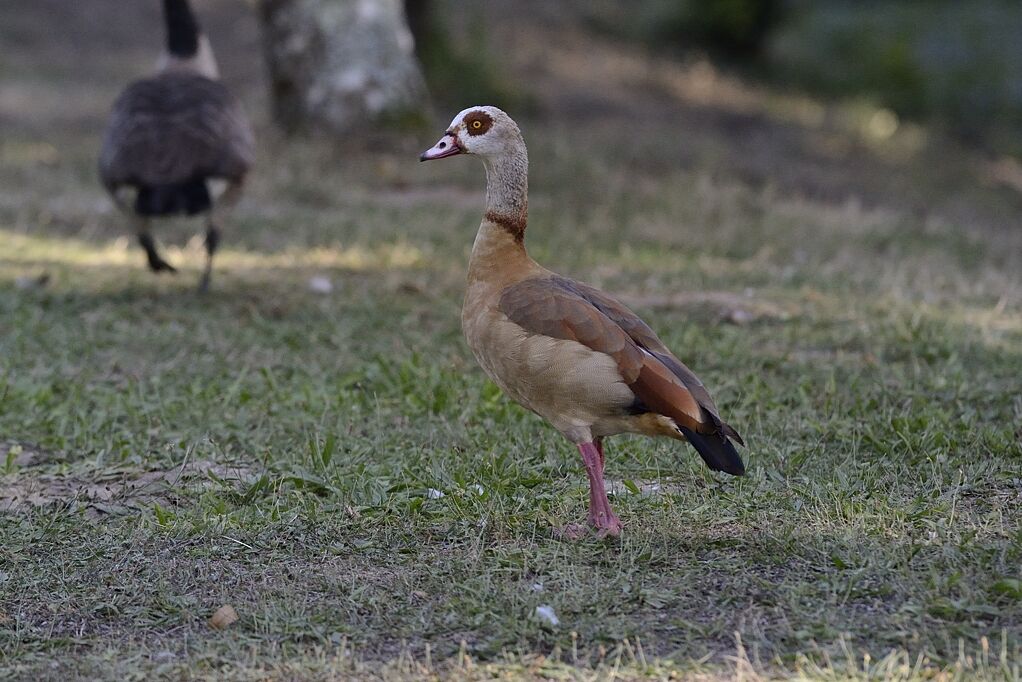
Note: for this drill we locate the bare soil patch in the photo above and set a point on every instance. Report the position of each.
(110, 490)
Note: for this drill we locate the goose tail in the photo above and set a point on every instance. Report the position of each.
(716, 450)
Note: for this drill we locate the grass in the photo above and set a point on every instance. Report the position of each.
(336, 468)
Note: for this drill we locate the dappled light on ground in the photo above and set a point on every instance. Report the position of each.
(25, 251)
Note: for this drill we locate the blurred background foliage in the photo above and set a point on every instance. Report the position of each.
(958, 64)
(457, 61)
(951, 64)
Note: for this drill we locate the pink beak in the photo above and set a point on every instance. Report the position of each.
(447, 146)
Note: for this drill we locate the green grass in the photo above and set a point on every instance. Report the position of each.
(162, 453)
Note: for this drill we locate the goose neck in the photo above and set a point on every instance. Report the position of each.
(507, 188)
(187, 48)
(182, 29)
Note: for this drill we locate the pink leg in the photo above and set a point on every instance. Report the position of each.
(600, 513)
(595, 503)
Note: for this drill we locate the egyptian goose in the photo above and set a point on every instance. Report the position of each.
(170, 134)
(563, 349)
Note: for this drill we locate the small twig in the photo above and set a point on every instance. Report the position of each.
(227, 537)
(184, 462)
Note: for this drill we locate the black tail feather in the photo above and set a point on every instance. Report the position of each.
(732, 434)
(189, 197)
(716, 450)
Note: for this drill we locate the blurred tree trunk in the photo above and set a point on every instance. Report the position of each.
(339, 65)
(418, 13)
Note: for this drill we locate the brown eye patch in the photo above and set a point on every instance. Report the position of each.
(477, 122)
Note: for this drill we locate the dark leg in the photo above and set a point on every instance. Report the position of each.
(600, 513)
(218, 216)
(156, 264)
(212, 242)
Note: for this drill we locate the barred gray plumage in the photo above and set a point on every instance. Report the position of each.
(170, 134)
(174, 128)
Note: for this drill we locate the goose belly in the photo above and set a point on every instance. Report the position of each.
(569, 384)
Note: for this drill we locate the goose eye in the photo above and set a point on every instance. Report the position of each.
(478, 123)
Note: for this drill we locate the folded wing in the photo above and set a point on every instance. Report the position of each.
(564, 309)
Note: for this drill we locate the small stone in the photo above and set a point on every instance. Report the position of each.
(740, 317)
(320, 285)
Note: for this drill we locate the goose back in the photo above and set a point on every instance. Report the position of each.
(172, 129)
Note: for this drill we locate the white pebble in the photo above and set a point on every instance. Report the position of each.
(545, 613)
(320, 285)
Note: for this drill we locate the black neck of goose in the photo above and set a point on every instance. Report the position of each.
(182, 29)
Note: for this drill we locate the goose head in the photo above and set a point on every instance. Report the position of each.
(483, 130)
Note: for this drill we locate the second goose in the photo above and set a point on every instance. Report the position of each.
(171, 134)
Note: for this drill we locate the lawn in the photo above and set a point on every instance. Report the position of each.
(334, 466)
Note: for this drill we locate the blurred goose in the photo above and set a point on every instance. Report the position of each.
(563, 349)
(172, 133)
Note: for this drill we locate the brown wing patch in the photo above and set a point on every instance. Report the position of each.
(541, 306)
(646, 338)
(478, 122)
(660, 391)
(553, 307)
(631, 323)
(565, 309)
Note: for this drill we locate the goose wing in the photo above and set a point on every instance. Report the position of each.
(564, 309)
(647, 339)
(173, 128)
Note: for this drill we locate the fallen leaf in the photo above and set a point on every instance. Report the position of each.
(224, 616)
(99, 492)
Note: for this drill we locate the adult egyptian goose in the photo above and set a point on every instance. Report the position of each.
(172, 133)
(563, 349)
